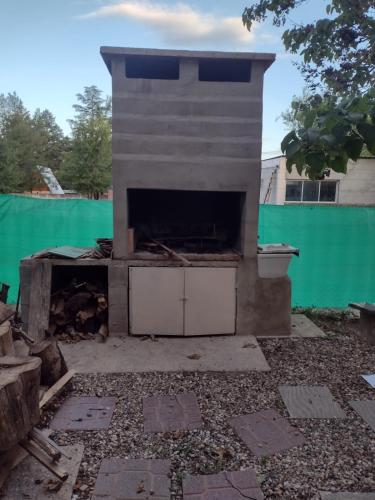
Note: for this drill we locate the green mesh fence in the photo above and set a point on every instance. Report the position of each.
(336, 265)
(28, 225)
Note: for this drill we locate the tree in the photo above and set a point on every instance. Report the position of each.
(87, 167)
(26, 142)
(50, 142)
(17, 144)
(338, 60)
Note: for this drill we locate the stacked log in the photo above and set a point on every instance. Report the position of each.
(19, 392)
(79, 311)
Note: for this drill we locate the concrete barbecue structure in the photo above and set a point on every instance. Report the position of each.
(187, 132)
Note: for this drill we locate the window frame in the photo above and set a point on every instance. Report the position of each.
(318, 201)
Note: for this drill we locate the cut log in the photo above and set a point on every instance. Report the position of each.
(53, 363)
(19, 398)
(6, 340)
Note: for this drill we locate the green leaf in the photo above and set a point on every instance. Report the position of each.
(316, 160)
(367, 131)
(312, 135)
(309, 118)
(356, 117)
(328, 139)
(353, 147)
(287, 139)
(292, 148)
(339, 163)
(340, 130)
(289, 164)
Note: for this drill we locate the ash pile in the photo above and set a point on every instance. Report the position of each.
(79, 311)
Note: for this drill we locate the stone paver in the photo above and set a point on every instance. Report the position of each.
(236, 485)
(133, 479)
(366, 409)
(171, 413)
(266, 432)
(303, 401)
(84, 413)
(346, 495)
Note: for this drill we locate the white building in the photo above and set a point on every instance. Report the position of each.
(356, 187)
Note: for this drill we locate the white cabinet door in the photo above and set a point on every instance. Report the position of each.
(210, 301)
(156, 300)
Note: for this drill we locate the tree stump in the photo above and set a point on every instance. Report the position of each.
(19, 398)
(53, 363)
(6, 340)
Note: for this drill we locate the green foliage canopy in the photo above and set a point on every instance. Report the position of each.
(87, 167)
(338, 60)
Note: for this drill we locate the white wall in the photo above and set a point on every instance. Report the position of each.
(356, 187)
(277, 191)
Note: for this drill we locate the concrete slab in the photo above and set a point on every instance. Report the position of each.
(30, 479)
(304, 401)
(130, 354)
(302, 327)
(266, 432)
(131, 478)
(235, 485)
(366, 409)
(84, 414)
(171, 413)
(346, 495)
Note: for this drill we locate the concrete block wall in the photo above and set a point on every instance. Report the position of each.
(187, 134)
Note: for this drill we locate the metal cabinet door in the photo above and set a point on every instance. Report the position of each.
(210, 300)
(155, 300)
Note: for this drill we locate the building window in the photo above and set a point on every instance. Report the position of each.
(311, 191)
(152, 67)
(224, 70)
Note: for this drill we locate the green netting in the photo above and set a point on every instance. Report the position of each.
(28, 225)
(337, 261)
(336, 266)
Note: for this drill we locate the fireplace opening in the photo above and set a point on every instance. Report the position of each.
(186, 221)
(79, 302)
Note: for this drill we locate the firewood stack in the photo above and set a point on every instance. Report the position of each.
(21, 376)
(80, 311)
(103, 249)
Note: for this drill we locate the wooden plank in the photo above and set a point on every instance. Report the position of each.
(363, 306)
(40, 294)
(173, 253)
(56, 388)
(41, 437)
(42, 457)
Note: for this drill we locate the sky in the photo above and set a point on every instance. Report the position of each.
(50, 48)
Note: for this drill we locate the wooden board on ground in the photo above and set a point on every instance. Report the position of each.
(56, 388)
(22, 481)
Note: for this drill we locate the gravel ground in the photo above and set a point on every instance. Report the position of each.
(337, 455)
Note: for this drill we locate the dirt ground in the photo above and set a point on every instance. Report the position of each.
(338, 454)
